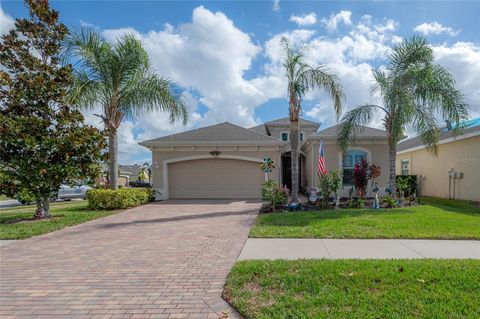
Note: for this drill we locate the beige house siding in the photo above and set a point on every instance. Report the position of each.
(215, 178)
(462, 155)
(377, 153)
(163, 157)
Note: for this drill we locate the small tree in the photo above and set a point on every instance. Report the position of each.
(330, 183)
(44, 141)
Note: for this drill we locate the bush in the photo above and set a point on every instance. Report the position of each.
(330, 183)
(116, 199)
(390, 202)
(273, 193)
(406, 185)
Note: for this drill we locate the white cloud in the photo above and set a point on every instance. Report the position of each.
(335, 19)
(304, 20)
(6, 22)
(435, 28)
(463, 61)
(276, 5)
(210, 55)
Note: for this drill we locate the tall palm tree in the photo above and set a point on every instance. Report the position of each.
(119, 77)
(413, 89)
(301, 78)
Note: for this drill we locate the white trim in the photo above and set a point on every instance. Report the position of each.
(165, 190)
(444, 141)
(288, 136)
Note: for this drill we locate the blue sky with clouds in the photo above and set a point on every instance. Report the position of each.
(226, 54)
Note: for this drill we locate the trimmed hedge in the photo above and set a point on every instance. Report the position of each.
(119, 198)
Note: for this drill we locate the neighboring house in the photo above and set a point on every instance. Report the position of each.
(222, 161)
(130, 171)
(454, 172)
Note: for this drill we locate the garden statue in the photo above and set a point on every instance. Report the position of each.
(376, 202)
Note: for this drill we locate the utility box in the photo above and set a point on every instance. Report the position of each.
(458, 175)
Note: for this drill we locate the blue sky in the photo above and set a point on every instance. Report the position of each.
(226, 53)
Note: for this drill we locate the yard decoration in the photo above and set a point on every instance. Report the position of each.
(267, 166)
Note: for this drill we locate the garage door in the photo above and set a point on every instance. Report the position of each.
(215, 178)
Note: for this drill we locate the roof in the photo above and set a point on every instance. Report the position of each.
(286, 122)
(259, 129)
(364, 132)
(467, 128)
(220, 134)
(130, 169)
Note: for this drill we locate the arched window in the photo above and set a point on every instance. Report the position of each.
(350, 158)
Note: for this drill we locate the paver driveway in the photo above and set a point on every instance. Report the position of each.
(163, 260)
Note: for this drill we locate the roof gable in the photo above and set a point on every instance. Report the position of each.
(364, 132)
(224, 133)
(286, 122)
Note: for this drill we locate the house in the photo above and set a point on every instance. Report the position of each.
(222, 160)
(454, 172)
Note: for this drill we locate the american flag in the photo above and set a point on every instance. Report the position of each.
(321, 169)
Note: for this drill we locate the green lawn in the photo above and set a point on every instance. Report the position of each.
(355, 289)
(18, 222)
(436, 219)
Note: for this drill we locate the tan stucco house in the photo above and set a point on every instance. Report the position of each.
(454, 172)
(222, 160)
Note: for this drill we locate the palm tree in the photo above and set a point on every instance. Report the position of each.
(413, 89)
(119, 77)
(302, 78)
(145, 172)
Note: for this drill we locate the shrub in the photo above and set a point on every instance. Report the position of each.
(406, 185)
(362, 173)
(119, 198)
(390, 202)
(330, 183)
(273, 193)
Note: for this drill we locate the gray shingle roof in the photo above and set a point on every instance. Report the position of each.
(417, 141)
(259, 129)
(286, 121)
(364, 132)
(223, 133)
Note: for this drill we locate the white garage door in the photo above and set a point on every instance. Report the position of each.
(215, 178)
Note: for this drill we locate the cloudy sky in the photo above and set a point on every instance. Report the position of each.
(227, 57)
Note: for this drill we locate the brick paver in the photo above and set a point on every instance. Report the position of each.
(163, 260)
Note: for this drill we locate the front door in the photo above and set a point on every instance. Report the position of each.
(287, 171)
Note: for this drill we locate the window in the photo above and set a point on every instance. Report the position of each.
(350, 158)
(405, 167)
(284, 136)
(301, 136)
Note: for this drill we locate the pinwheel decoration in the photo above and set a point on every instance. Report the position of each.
(267, 165)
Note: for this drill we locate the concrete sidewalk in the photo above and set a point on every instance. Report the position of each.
(290, 248)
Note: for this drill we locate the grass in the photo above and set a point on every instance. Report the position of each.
(355, 289)
(18, 223)
(436, 219)
(3, 197)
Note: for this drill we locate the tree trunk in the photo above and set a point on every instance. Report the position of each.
(45, 205)
(294, 141)
(113, 152)
(392, 179)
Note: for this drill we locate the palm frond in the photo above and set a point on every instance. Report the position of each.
(154, 93)
(321, 77)
(351, 123)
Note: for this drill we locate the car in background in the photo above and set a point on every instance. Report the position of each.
(139, 183)
(67, 192)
